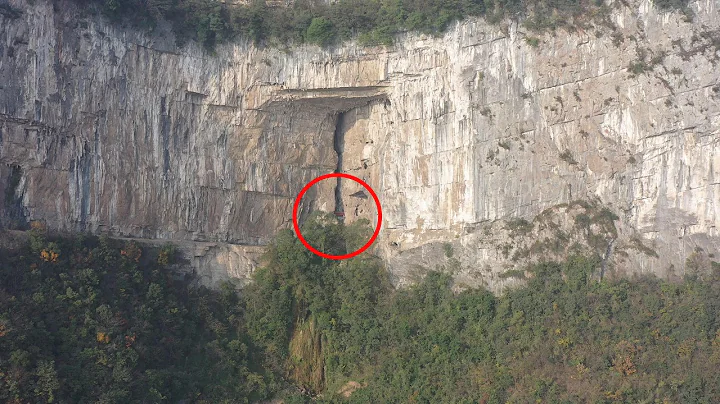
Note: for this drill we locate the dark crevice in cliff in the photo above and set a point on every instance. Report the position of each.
(13, 214)
(165, 133)
(82, 167)
(606, 258)
(338, 145)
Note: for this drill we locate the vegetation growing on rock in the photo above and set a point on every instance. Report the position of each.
(90, 319)
(373, 21)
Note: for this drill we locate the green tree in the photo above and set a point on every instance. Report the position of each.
(320, 31)
(47, 383)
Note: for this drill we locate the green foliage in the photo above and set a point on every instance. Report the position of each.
(567, 157)
(671, 4)
(645, 63)
(519, 227)
(429, 344)
(374, 22)
(296, 285)
(532, 41)
(102, 321)
(320, 31)
(106, 322)
(448, 248)
(512, 273)
(638, 67)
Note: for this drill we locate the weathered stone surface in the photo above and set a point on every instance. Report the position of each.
(121, 132)
(211, 264)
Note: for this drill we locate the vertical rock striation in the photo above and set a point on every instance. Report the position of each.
(104, 129)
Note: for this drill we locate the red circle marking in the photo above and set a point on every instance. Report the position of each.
(320, 253)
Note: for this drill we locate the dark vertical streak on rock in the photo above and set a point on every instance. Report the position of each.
(38, 110)
(93, 157)
(83, 166)
(338, 145)
(13, 215)
(606, 258)
(165, 133)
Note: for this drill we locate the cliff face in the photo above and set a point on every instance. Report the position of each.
(104, 129)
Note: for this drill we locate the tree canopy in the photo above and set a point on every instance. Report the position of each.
(374, 22)
(95, 319)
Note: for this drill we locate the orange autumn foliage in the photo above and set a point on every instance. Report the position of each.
(132, 251)
(49, 256)
(102, 337)
(129, 340)
(38, 226)
(624, 365)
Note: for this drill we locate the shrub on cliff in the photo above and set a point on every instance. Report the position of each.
(372, 21)
(320, 31)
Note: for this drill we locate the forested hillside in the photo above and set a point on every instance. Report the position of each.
(97, 320)
(373, 21)
(88, 319)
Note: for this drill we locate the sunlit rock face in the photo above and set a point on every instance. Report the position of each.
(111, 130)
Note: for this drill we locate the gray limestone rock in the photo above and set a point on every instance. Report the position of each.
(108, 130)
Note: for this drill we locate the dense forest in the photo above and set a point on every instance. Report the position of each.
(98, 320)
(374, 22)
(88, 319)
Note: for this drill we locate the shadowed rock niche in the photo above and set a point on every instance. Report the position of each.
(326, 131)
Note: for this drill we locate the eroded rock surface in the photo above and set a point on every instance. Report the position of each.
(104, 129)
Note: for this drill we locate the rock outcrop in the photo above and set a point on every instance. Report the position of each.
(464, 137)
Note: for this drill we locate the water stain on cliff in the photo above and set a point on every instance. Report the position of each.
(165, 133)
(338, 146)
(13, 213)
(81, 168)
(430, 156)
